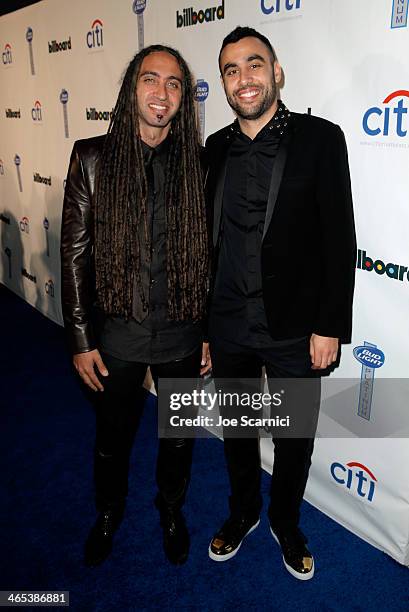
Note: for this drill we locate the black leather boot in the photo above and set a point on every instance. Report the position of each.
(99, 542)
(176, 540)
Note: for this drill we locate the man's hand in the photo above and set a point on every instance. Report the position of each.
(206, 362)
(85, 364)
(323, 351)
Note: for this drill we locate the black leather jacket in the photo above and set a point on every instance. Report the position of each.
(78, 296)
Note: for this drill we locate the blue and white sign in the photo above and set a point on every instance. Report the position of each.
(371, 358)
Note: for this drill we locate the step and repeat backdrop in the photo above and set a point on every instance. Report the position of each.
(61, 65)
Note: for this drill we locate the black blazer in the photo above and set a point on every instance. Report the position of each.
(308, 251)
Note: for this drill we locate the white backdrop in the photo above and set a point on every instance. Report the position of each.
(346, 61)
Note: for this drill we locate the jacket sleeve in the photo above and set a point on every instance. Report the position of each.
(337, 240)
(77, 284)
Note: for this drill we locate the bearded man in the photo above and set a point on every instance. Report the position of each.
(134, 277)
(283, 276)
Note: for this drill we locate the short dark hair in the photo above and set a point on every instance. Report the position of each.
(244, 32)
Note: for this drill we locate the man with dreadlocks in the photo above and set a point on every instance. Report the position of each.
(134, 250)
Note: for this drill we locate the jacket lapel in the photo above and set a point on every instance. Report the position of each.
(276, 177)
(218, 197)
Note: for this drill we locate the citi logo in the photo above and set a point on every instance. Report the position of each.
(355, 477)
(93, 114)
(37, 178)
(55, 47)
(399, 13)
(10, 114)
(6, 55)
(387, 119)
(392, 270)
(5, 219)
(36, 111)
(1, 167)
(275, 6)
(24, 225)
(49, 288)
(189, 16)
(29, 276)
(95, 35)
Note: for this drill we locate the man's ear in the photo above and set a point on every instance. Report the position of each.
(277, 72)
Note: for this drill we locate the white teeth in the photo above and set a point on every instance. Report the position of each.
(157, 107)
(248, 94)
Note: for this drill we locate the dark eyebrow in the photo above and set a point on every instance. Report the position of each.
(251, 58)
(256, 57)
(153, 73)
(228, 66)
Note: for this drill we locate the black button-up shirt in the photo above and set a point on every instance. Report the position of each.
(237, 312)
(150, 336)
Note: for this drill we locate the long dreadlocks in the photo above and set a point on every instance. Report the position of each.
(121, 205)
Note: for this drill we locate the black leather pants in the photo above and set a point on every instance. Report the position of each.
(118, 412)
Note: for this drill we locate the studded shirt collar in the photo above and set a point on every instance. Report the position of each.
(277, 125)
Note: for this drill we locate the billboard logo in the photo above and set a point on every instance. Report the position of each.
(36, 111)
(49, 288)
(399, 13)
(138, 7)
(55, 47)
(29, 39)
(275, 6)
(64, 100)
(391, 270)
(1, 167)
(93, 115)
(189, 16)
(380, 120)
(29, 276)
(371, 358)
(25, 225)
(7, 56)
(45, 180)
(201, 92)
(356, 477)
(7, 251)
(17, 161)
(94, 36)
(10, 114)
(46, 226)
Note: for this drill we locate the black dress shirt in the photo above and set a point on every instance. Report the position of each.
(237, 312)
(150, 336)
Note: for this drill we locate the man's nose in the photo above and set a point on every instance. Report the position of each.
(161, 91)
(245, 76)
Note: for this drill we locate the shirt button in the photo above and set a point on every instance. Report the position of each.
(153, 281)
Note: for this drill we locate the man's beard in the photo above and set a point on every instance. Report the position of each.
(268, 98)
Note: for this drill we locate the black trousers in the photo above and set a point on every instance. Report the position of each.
(118, 412)
(292, 456)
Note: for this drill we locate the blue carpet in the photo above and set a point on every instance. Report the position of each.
(47, 428)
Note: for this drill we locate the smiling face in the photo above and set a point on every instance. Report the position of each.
(158, 91)
(249, 78)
